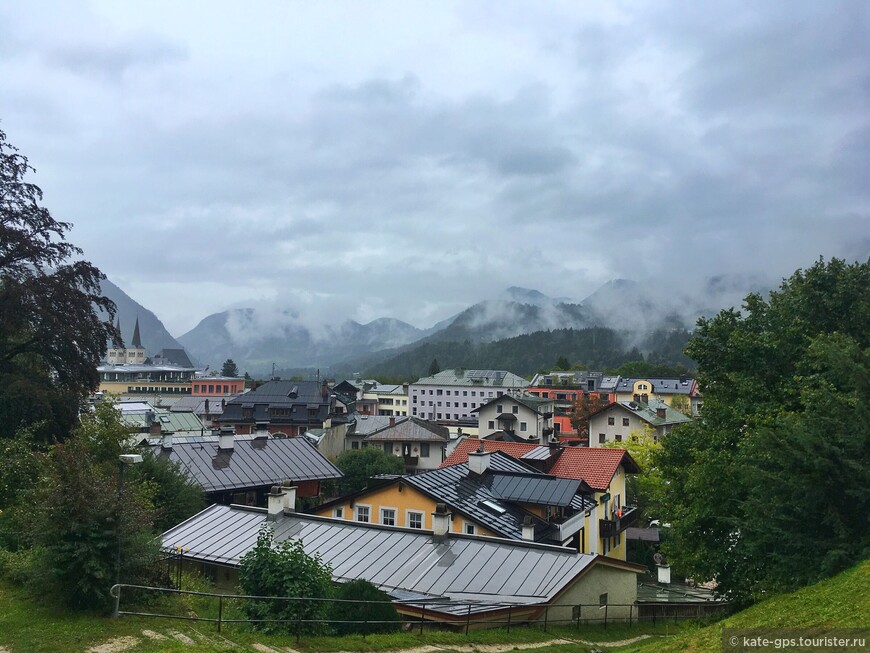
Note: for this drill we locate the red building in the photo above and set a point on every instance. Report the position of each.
(215, 386)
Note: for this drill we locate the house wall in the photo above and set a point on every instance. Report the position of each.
(467, 396)
(599, 426)
(209, 387)
(620, 585)
(333, 441)
(402, 501)
(534, 422)
(437, 452)
(140, 387)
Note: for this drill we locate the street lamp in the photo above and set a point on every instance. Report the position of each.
(123, 460)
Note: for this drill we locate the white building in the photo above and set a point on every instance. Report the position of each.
(455, 394)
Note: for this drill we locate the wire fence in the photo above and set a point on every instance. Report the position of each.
(414, 614)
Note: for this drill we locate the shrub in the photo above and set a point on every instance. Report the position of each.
(285, 570)
(367, 610)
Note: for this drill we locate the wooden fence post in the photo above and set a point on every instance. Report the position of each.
(510, 609)
(468, 619)
(605, 616)
(220, 611)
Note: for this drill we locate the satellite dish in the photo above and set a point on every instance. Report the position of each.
(658, 557)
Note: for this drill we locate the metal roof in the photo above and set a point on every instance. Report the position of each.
(467, 493)
(252, 462)
(407, 563)
(475, 378)
(411, 430)
(527, 488)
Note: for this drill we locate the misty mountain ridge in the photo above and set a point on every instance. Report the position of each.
(255, 338)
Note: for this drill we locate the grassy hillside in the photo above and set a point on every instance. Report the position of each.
(839, 602)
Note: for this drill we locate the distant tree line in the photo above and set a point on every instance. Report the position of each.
(594, 349)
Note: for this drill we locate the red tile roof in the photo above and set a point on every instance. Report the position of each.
(595, 466)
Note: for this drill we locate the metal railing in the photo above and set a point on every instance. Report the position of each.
(431, 613)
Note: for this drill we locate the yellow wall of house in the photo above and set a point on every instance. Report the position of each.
(402, 501)
(155, 387)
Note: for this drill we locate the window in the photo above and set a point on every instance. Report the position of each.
(439, 403)
(415, 519)
(473, 394)
(424, 450)
(388, 516)
(618, 437)
(602, 600)
(439, 392)
(611, 421)
(465, 393)
(545, 395)
(625, 421)
(470, 529)
(388, 447)
(516, 410)
(338, 513)
(362, 513)
(524, 426)
(491, 424)
(414, 410)
(498, 408)
(465, 404)
(439, 415)
(602, 438)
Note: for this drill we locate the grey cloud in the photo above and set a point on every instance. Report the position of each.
(109, 61)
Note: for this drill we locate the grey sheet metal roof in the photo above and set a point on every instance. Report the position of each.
(404, 562)
(528, 488)
(538, 453)
(252, 462)
(411, 430)
(480, 378)
(472, 495)
(368, 424)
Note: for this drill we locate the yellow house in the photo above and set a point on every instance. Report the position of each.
(146, 379)
(680, 393)
(493, 493)
(604, 471)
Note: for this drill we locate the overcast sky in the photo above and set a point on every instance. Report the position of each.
(406, 159)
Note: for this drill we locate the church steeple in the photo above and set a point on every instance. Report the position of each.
(137, 341)
(118, 342)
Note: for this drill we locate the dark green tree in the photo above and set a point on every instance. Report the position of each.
(763, 492)
(363, 608)
(78, 520)
(563, 364)
(174, 494)
(434, 367)
(359, 465)
(55, 322)
(229, 368)
(283, 569)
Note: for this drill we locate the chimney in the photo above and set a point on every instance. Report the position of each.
(528, 529)
(276, 503)
(440, 523)
(661, 411)
(392, 422)
(289, 503)
(478, 461)
(324, 390)
(664, 572)
(226, 439)
(167, 441)
(154, 428)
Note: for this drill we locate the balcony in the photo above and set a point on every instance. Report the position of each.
(410, 461)
(568, 526)
(612, 527)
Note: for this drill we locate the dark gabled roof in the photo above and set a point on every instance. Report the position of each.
(409, 430)
(461, 571)
(252, 462)
(173, 357)
(528, 488)
(297, 396)
(472, 496)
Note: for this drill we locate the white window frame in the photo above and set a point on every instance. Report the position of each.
(356, 510)
(395, 515)
(422, 514)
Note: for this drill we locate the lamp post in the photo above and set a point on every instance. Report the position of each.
(123, 461)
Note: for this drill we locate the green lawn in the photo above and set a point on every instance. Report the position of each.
(839, 602)
(28, 626)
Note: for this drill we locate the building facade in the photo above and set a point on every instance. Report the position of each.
(455, 394)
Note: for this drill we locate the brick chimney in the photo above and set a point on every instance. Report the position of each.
(289, 502)
(478, 461)
(392, 422)
(661, 411)
(528, 529)
(226, 439)
(276, 503)
(440, 523)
